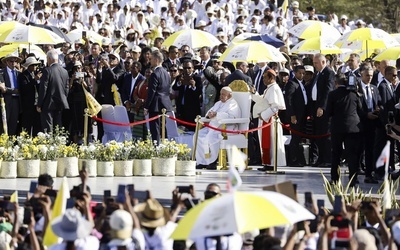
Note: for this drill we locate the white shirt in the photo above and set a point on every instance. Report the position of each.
(370, 106)
(161, 237)
(87, 243)
(134, 79)
(314, 89)
(233, 242)
(303, 90)
(128, 243)
(10, 74)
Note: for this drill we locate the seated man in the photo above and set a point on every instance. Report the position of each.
(208, 139)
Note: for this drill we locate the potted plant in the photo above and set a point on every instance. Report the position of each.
(9, 157)
(184, 166)
(105, 159)
(122, 162)
(48, 159)
(165, 154)
(67, 162)
(88, 158)
(28, 160)
(142, 152)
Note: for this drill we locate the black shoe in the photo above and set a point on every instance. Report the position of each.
(254, 163)
(315, 164)
(323, 165)
(295, 164)
(354, 183)
(370, 179)
(394, 176)
(266, 168)
(201, 166)
(212, 166)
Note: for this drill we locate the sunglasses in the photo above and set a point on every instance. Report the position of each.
(112, 58)
(173, 70)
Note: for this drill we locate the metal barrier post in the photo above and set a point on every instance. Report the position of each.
(163, 124)
(275, 131)
(196, 136)
(85, 128)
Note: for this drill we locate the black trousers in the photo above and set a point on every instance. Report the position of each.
(367, 141)
(351, 147)
(296, 150)
(155, 127)
(50, 119)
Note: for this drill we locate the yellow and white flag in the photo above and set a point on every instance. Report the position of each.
(383, 160)
(92, 104)
(59, 208)
(236, 160)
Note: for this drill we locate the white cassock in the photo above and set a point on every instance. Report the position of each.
(266, 106)
(208, 139)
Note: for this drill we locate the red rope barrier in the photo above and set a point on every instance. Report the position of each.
(287, 127)
(124, 124)
(182, 122)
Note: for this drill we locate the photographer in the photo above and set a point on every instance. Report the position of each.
(28, 90)
(344, 107)
(77, 102)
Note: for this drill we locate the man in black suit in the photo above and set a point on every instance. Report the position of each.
(388, 101)
(130, 81)
(158, 94)
(323, 84)
(296, 103)
(10, 92)
(240, 74)
(173, 58)
(254, 144)
(28, 90)
(190, 90)
(53, 93)
(379, 74)
(370, 100)
(344, 106)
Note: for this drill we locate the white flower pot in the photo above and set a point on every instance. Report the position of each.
(142, 167)
(123, 168)
(185, 168)
(8, 169)
(105, 168)
(48, 167)
(163, 166)
(67, 166)
(28, 168)
(91, 166)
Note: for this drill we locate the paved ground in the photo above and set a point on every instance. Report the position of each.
(306, 178)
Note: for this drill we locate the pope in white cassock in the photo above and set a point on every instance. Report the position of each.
(265, 107)
(208, 139)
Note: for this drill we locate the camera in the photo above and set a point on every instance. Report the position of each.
(184, 189)
(80, 74)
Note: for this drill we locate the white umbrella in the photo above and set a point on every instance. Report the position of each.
(31, 35)
(76, 35)
(252, 51)
(243, 36)
(193, 38)
(310, 29)
(240, 212)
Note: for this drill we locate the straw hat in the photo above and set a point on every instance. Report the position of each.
(10, 56)
(151, 214)
(71, 226)
(30, 61)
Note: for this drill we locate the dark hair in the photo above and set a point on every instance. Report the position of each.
(389, 69)
(138, 64)
(298, 67)
(45, 180)
(172, 48)
(266, 242)
(206, 48)
(341, 79)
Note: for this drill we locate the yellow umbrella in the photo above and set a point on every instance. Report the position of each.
(240, 212)
(311, 28)
(193, 38)
(252, 51)
(396, 36)
(31, 35)
(366, 39)
(316, 45)
(7, 25)
(16, 48)
(392, 53)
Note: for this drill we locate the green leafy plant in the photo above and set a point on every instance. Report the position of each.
(67, 151)
(90, 152)
(9, 153)
(183, 152)
(123, 151)
(166, 149)
(47, 152)
(107, 151)
(142, 150)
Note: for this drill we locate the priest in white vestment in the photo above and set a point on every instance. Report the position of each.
(208, 139)
(266, 106)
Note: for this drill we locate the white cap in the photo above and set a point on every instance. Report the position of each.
(121, 224)
(343, 17)
(295, 4)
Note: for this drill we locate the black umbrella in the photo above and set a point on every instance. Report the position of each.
(54, 29)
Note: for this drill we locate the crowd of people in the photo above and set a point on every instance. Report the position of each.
(131, 221)
(131, 67)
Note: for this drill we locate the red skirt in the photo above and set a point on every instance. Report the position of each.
(266, 143)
